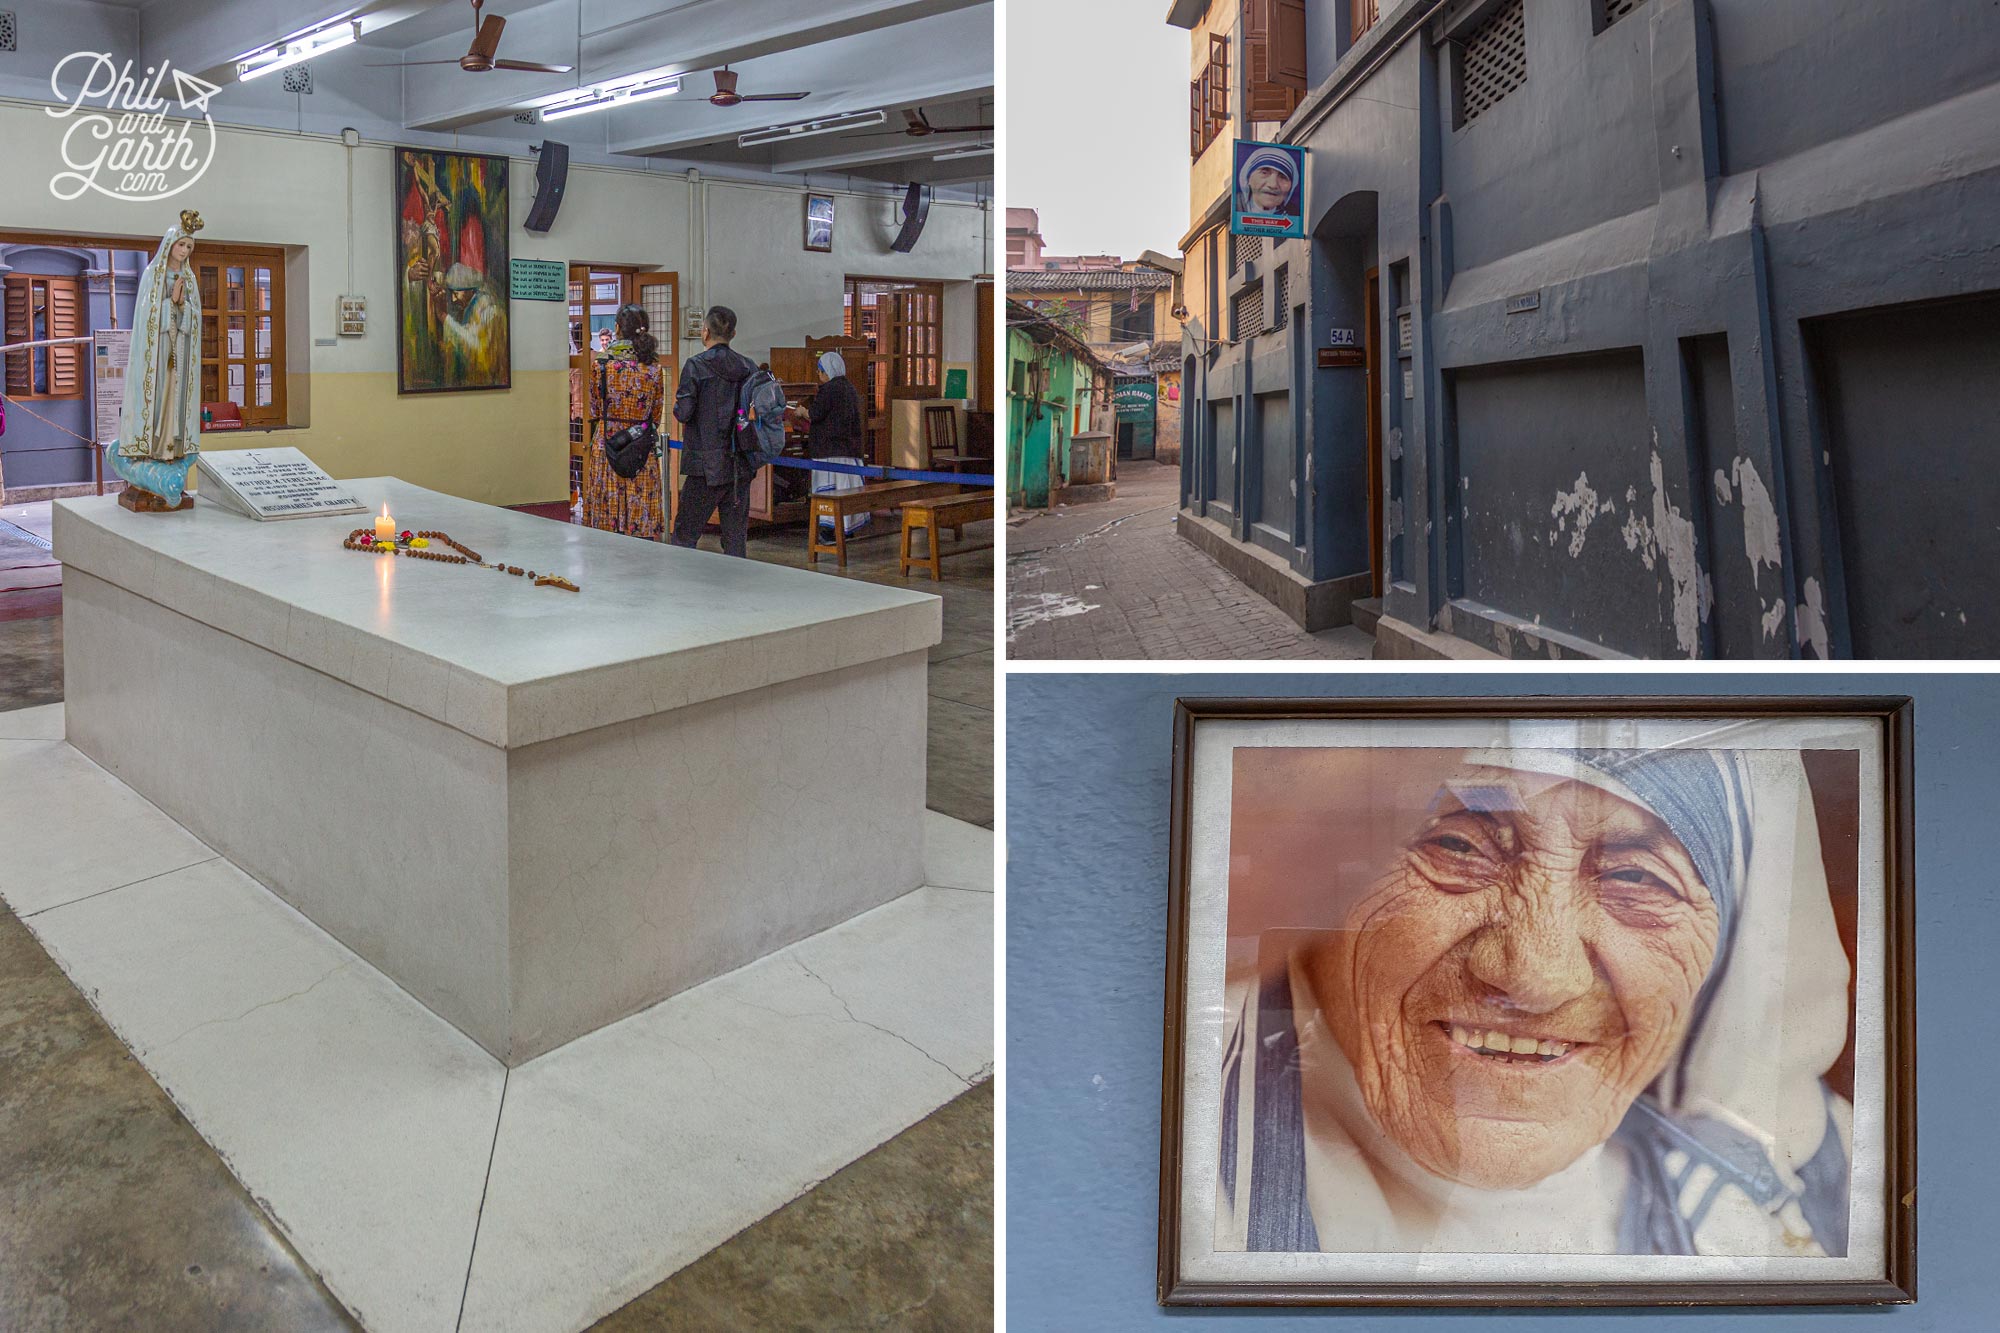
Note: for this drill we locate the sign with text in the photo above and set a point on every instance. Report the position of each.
(1341, 358)
(273, 483)
(538, 280)
(113, 349)
(1269, 193)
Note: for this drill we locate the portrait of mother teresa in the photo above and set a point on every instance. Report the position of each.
(1550, 1001)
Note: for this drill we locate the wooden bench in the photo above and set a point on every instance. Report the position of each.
(933, 517)
(841, 505)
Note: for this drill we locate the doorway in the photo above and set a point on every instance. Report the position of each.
(903, 325)
(1372, 335)
(596, 291)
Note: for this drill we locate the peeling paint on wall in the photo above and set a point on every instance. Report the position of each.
(1723, 495)
(1774, 617)
(1578, 504)
(1760, 520)
(1812, 622)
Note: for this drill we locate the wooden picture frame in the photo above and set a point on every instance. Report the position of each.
(819, 223)
(452, 245)
(1217, 742)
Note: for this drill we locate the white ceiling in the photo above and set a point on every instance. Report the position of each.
(852, 55)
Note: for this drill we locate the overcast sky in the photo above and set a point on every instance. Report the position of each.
(1097, 124)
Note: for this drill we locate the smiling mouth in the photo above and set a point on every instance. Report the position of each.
(1507, 1048)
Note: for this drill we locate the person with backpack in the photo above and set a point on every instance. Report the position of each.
(716, 467)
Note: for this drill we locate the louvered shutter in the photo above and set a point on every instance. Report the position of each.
(20, 365)
(1257, 41)
(65, 321)
(1274, 34)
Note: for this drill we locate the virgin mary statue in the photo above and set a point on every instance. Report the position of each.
(159, 425)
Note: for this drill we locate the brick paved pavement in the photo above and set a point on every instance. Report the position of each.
(1113, 581)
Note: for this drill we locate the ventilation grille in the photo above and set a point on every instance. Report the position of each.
(527, 118)
(1249, 249)
(1281, 293)
(9, 34)
(1246, 312)
(1493, 62)
(299, 79)
(1610, 11)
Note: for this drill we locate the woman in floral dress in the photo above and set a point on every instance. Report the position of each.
(626, 387)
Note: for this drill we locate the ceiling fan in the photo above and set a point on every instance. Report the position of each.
(920, 125)
(478, 59)
(726, 95)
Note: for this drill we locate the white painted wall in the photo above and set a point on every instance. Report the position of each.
(272, 188)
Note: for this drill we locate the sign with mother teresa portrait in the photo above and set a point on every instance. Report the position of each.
(1269, 190)
(1600, 1001)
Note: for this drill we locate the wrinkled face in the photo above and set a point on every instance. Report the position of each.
(1520, 974)
(1270, 189)
(179, 251)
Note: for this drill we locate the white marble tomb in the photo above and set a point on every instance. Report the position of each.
(537, 811)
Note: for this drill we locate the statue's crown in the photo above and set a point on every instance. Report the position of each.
(191, 222)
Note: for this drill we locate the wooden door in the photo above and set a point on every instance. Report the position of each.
(1373, 338)
(986, 372)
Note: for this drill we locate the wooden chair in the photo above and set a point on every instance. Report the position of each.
(941, 439)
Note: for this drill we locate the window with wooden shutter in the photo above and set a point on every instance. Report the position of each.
(37, 307)
(243, 331)
(1208, 98)
(1361, 16)
(1274, 58)
(1218, 83)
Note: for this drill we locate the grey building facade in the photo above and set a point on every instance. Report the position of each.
(1679, 326)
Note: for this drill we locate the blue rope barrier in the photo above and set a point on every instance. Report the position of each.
(876, 473)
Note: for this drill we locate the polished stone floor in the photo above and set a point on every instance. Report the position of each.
(115, 1214)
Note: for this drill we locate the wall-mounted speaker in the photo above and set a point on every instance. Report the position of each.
(916, 212)
(551, 174)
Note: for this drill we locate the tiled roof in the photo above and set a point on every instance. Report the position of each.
(1087, 280)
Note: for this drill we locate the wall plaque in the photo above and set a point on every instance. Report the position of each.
(539, 280)
(1342, 358)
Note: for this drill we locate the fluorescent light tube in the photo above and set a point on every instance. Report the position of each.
(805, 129)
(256, 64)
(610, 95)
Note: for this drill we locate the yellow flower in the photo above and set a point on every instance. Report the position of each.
(420, 542)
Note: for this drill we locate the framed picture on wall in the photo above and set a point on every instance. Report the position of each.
(451, 272)
(819, 223)
(1537, 1002)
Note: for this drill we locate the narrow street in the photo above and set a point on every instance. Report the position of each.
(1113, 581)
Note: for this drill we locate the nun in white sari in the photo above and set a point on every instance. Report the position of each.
(1586, 1009)
(159, 426)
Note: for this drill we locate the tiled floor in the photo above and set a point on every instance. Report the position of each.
(900, 1239)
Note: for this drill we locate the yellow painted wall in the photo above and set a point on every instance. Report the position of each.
(500, 446)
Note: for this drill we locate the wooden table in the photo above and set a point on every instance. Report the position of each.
(933, 517)
(840, 505)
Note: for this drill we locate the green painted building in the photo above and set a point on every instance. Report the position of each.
(1053, 384)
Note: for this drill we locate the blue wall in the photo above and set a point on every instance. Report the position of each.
(1088, 762)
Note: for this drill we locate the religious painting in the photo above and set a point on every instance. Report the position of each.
(451, 264)
(1532, 1002)
(819, 222)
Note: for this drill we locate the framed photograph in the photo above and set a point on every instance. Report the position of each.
(452, 290)
(1536, 1002)
(819, 223)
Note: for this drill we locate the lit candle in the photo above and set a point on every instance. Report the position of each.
(385, 527)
